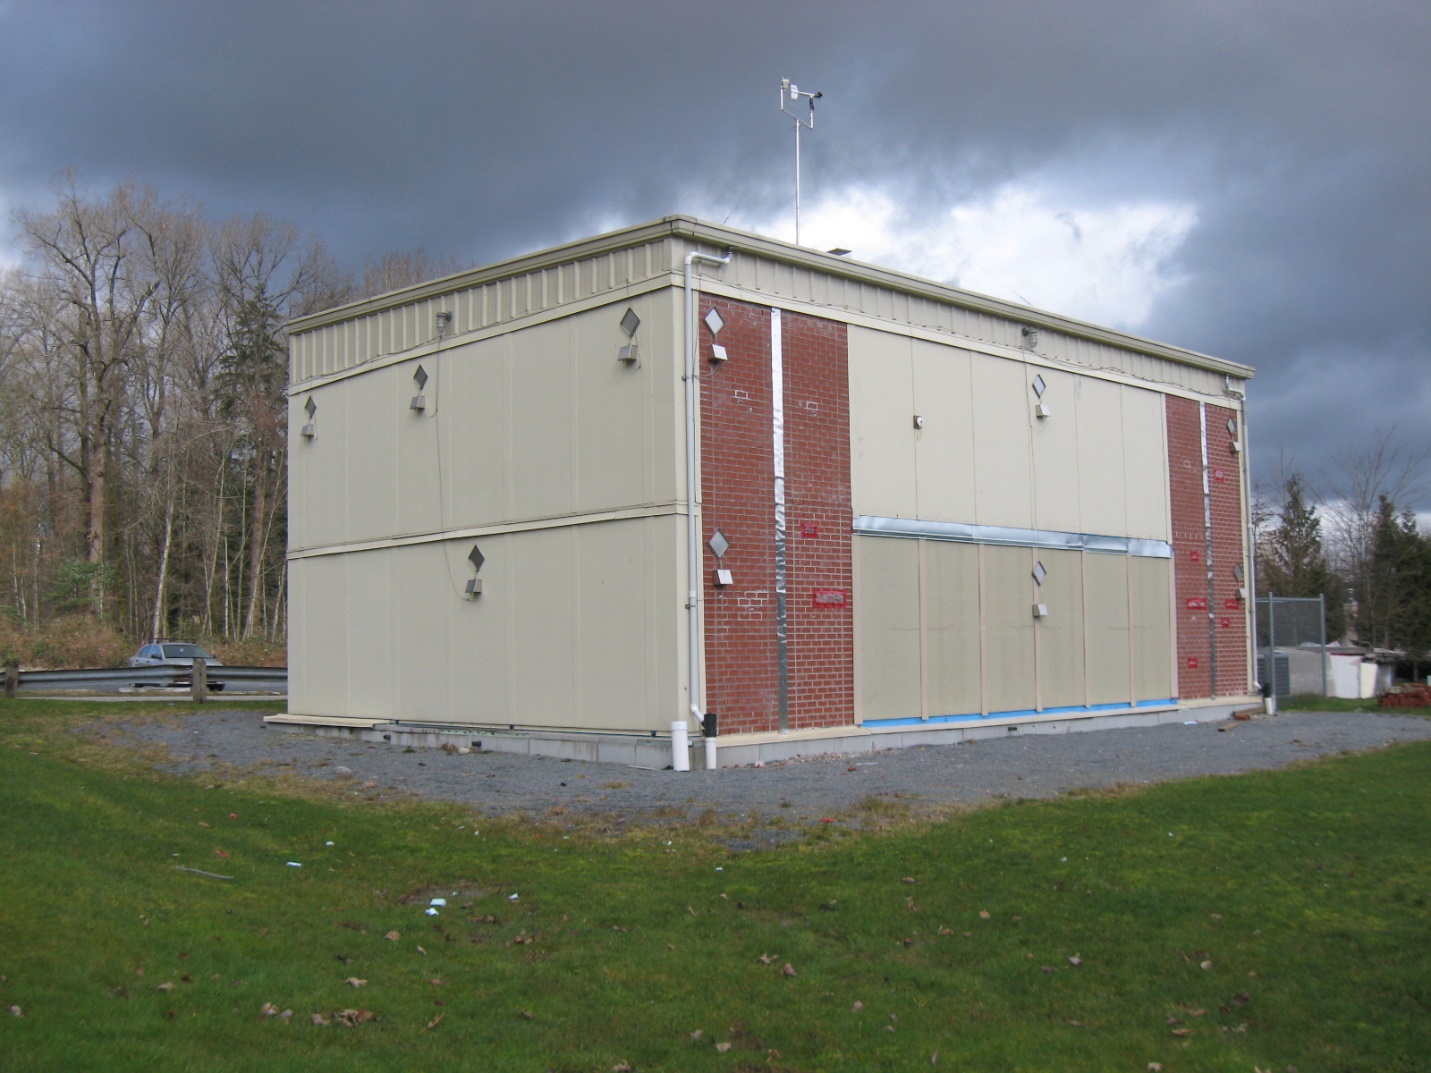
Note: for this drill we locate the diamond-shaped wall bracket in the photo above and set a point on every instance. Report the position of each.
(1232, 426)
(1039, 573)
(476, 558)
(1237, 573)
(420, 378)
(629, 323)
(310, 407)
(714, 321)
(1039, 387)
(719, 544)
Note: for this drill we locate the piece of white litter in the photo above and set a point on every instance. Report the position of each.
(1190, 723)
(294, 864)
(438, 901)
(719, 868)
(327, 843)
(511, 897)
(430, 911)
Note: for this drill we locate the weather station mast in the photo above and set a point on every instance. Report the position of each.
(790, 104)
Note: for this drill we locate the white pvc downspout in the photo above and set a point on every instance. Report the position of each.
(693, 534)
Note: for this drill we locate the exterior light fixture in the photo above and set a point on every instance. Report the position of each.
(444, 322)
(718, 354)
(309, 430)
(474, 585)
(918, 421)
(629, 323)
(1030, 337)
(1040, 610)
(419, 401)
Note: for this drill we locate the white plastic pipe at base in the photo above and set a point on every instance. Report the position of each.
(711, 762)
(680, 746)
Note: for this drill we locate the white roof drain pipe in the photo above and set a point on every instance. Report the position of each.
(693, 533)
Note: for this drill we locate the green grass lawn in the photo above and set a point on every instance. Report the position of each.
(1256, 922)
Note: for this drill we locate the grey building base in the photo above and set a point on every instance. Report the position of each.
(736, 750)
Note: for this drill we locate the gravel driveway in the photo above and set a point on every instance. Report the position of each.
(807, 789)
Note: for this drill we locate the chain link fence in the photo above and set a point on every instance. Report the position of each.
(1292, 631)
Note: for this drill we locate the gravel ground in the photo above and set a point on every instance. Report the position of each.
(1030, 766)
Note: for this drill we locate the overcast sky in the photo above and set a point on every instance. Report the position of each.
(1252, 180)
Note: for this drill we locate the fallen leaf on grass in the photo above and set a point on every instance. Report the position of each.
(436, 1021)
(907, 879)
(525, 1015)
(350, 1018)
(1048, 968)
(1182, 1031)
(435, 982)
(765, 959)
(788, 970)
(15, 1011)
(392, 936)
(319, 1019)
(221, 853)
(1207, 964)
(1155, 1067)
(909, 904)
(268, 1009)
(984, 914)
(621, 1067)
(697, 1034)
(1075, 960)
(353, 981)
(166, 986)
(421, 951)
(858, 1006)
(946, 931)
(722, 1047)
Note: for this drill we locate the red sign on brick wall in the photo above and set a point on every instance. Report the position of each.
(1197, 603)
(828, 598)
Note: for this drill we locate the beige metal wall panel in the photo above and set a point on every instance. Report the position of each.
(477, 634)
(476, 433)
(417, 468)
(617, 405)
(944, 448)
(373, 634)
(427, 586)
(1150, 600)
(882, 477)
(889, 632)
(322, 467)
(371, 407)
(952, 675)
(1009, 628)
(542, 457)
(1055, 444)
(1145, 454)
(1108, 637)
(1101, 455)
(318, 659)
(1002, 462)
(544, 633)
(614, 659)
(1060, 642)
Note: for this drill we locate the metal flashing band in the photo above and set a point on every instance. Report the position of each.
(965, 533)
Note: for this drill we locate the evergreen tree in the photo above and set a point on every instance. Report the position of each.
(1292, 562)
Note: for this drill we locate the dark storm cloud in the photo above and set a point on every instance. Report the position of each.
(1298, 131)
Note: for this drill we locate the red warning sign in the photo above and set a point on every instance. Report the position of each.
(1195, 556)
(1192, 663)
(1197, 603)
(828, 598)
(1226, 623)
(1219, 476)
(809, 529)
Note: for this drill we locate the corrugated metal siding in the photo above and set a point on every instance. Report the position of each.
(334, 348)
(337, 347)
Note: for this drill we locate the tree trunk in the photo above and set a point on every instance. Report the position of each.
(160, 611)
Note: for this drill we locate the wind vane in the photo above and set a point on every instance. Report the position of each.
(790, 98)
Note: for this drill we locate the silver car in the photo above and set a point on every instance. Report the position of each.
(171, 654)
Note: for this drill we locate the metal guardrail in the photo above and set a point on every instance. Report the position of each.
(128, 679)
